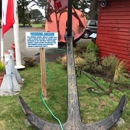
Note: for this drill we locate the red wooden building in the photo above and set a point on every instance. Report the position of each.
(113, 35)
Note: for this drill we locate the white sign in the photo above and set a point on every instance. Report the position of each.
(93, 35)
(41, 39)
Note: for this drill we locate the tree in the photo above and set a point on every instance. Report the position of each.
(93, 10)
(37, 15)
(0, 8)
(42, 4)
(24, 15)
(82, 5)
(23, 12)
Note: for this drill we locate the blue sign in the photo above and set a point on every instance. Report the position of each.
(41, 39)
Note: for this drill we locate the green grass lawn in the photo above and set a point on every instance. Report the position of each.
(37, 25)
(33, 25)
(93, 107)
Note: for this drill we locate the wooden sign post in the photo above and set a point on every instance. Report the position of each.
(42, 40)
(43, 72)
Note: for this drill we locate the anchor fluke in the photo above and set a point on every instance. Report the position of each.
(105, 124)
(34, 120)
(111, 120)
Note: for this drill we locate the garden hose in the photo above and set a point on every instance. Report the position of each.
(61, 126)
(50, 75)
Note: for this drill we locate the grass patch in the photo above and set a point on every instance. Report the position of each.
(37, 25)
(93, 107)
(33, 25)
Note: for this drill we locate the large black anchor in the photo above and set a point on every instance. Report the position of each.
(74, 120)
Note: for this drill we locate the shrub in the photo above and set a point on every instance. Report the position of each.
(92, 48)
(78, 61)
(120, 74)
(91, 58)
(109, 65)
(115, 69)
(59, 60)
(1, 66)
(80, 49)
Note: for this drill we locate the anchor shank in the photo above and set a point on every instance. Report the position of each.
(73, 106)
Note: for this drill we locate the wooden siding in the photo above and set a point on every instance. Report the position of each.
(113, 35)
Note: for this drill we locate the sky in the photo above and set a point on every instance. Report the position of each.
(42, 10)
(36, 7)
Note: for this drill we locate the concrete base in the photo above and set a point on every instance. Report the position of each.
(19, 67)
(6, 93)
(10, 84)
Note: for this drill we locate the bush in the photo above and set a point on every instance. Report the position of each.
(109, 65)
(115, 69)
(86, 57)
(59, 60)
(92, 58)
(1, 66)
(121, 74)
(80, 49)
(92, 47)
(78, 60)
